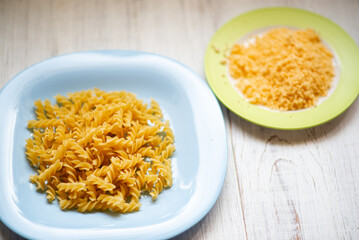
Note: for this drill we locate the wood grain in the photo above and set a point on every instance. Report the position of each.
(279, 184)
(301, 183)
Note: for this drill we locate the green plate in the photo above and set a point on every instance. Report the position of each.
(346, 53)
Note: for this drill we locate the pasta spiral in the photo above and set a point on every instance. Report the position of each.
(97, 150)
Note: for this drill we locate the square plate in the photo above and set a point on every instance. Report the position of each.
(198, 165)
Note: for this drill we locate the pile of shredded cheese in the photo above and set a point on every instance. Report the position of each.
(283, 70)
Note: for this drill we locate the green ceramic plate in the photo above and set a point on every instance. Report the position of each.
(342, 94)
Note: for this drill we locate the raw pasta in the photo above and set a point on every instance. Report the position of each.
(97, 150)
(283, 70)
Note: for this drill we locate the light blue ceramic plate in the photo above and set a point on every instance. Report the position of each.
(199, 163)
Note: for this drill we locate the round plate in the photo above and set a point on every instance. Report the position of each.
(198, 164)
(345, 51)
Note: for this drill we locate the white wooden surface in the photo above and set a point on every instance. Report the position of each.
(279, 184)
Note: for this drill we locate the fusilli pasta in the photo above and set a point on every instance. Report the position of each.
(97, 150)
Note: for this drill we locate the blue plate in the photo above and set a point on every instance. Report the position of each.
(198, 166)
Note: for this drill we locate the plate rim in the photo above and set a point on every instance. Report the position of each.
(181, 227)
(235, 109)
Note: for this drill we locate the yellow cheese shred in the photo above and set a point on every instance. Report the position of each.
(283, 69)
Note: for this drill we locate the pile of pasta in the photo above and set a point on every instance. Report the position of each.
(97, 150)
(284, 69)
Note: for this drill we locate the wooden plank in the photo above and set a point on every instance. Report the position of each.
(299, 184)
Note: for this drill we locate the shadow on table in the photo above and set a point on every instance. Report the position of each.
(7, 234)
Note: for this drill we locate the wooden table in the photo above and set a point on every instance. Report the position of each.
(279, 184)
